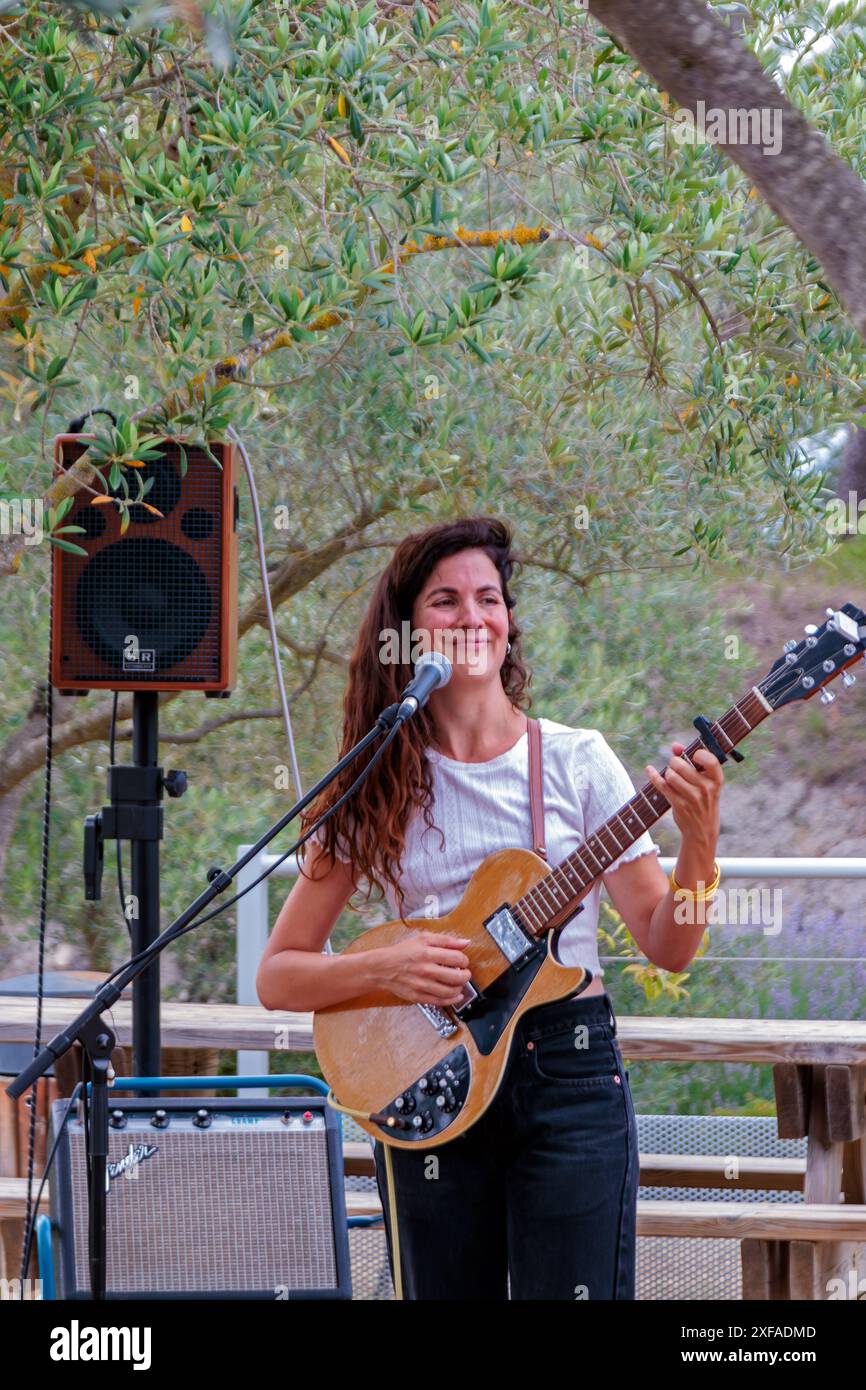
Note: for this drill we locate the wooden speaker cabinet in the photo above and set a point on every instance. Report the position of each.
(155, 608)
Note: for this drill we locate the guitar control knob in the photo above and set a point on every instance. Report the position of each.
(399, 1103)
(848, 679)
(417, 1121)
(440, 1101)
(449, 1073)
(826, 697)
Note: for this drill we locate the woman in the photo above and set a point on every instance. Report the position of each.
(542, 1189)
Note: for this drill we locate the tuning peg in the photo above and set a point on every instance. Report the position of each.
(848, 679)
(790, 646)
(810, 629)
(827, 697)
(829, 612)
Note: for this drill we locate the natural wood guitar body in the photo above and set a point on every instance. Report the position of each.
(374, 1048)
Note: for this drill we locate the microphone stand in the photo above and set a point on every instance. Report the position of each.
(98, 1039)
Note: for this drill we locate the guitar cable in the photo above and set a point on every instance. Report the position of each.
(392, 1198)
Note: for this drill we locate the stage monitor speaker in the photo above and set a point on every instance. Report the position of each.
(231, 1198)
(154, 608)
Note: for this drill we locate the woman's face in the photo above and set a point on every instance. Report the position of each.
(460, 611)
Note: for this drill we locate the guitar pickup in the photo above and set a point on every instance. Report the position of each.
(511, 939)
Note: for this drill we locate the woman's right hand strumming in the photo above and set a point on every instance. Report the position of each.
(427, 968)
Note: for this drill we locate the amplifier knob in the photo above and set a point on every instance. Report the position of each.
(160, 1119)
(202, 1119)
(118, 1119)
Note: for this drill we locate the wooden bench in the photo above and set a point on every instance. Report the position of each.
(659, 1170)
(819, 1073)
(782, 1245)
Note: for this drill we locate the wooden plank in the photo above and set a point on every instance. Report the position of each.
(793, 1088)
(709, 1220)
(660, 1170)
(764, 1269)
(710, 1170)
(775, 1221)
(13, 1197)
(250, 1027)
(8, 1135)
(846, 1111)
(804, 1270)
(763, 1220)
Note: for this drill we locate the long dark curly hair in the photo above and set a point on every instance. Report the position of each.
(371, 826)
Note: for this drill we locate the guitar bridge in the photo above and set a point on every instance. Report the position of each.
(441, 1021)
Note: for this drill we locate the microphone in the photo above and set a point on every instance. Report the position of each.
(432, 669)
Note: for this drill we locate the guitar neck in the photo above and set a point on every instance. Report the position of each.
(556, 896)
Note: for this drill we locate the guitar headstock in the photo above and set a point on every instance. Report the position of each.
(823, 654)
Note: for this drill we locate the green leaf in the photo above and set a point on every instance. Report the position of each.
(68, 545)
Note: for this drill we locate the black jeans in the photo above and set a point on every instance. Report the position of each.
(543, 1188)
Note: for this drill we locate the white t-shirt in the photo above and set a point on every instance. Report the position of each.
(482, 807)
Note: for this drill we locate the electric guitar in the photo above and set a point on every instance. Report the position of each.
(421, 1074)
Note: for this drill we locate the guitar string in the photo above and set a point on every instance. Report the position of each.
(533, 904)
(541, 911)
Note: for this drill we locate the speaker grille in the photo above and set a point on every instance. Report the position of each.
(146, 587)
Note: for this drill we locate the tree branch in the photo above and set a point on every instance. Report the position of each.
(693, 56)
(288, 579)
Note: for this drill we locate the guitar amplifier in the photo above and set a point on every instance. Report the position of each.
(231, 1198)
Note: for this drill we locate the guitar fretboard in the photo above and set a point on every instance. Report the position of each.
(554, 898)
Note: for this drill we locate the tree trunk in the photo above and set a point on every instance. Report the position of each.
(695, 57)
(852, 471)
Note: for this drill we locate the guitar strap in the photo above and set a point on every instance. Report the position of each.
(536, 787)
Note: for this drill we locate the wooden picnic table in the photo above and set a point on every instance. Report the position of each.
(819, 1073)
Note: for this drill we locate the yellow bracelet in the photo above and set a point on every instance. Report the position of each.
(705, 893)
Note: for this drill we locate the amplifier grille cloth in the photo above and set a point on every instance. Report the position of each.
(242, 1210)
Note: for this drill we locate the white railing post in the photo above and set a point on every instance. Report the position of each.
(253, 929)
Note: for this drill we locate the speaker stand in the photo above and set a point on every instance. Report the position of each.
(135, 814)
